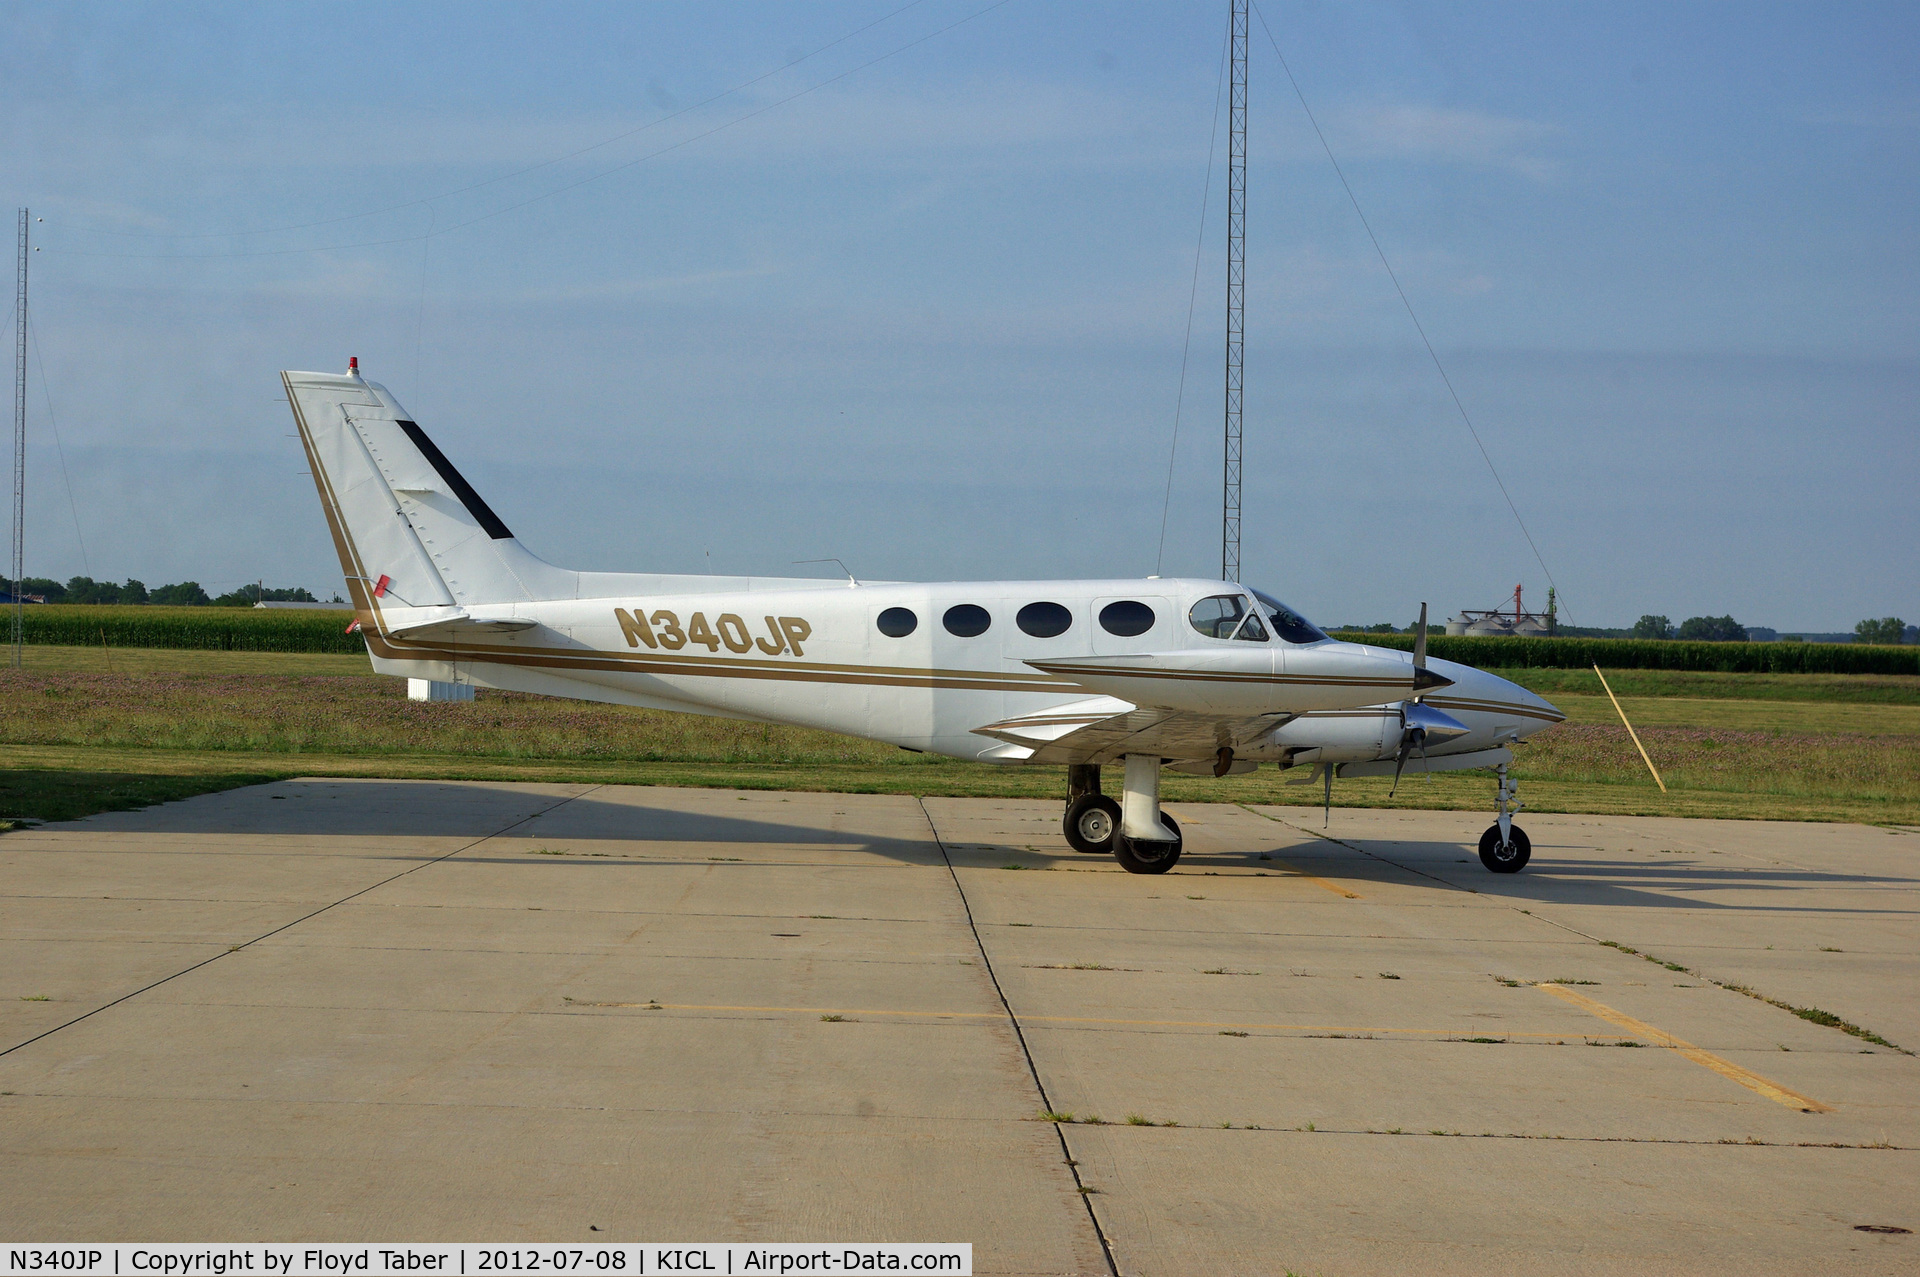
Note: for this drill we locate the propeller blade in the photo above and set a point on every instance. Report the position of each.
(1411, 739)
(1424, 679)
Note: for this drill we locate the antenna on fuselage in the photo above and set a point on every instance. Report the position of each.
(1236, 293)
(851, 583)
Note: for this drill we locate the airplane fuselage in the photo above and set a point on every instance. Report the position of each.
(833, 655)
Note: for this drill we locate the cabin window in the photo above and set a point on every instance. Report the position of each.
(1044, 620)
(1287, 623)
(1126, 618)
(965, 620)
(897, 622)
(1227, 616)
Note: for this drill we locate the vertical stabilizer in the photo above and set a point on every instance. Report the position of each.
(409, 529)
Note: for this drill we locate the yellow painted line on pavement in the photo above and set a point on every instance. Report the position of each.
(1066, 1019)
(1705, 1059)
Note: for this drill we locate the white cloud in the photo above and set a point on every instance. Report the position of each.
(1447, 135)
(1893, 116)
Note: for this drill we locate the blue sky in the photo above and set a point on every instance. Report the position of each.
(928, 316)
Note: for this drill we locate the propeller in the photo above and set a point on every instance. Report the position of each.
(1413, 737)
(1420, 723)
(1424, 679)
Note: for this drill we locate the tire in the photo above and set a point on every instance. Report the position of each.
(1511, 858)
(1091, 822)
(1143, 857)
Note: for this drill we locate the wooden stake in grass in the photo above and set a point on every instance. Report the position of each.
(1636, 735)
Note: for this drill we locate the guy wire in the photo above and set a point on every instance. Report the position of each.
(1193, 294)
(1418, 327)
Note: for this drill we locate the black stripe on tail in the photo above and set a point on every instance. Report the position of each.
(485, 517)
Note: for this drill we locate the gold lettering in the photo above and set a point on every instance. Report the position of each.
(699, 632)
(779, 640)
(670, 636)
(797, 631)
(635, 628)
(735, 638)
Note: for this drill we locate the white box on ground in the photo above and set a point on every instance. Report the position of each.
(432, 689)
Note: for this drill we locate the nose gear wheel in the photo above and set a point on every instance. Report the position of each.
(1508, 857)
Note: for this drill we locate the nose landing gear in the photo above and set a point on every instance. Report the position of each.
(1505, 848)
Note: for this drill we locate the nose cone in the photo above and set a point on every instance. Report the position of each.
(1492, 704)
(1539, 711)
(1528, 712)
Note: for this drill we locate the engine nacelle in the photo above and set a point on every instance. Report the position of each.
(1361, 735)
(1344, 736)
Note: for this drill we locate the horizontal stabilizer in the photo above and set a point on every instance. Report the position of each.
(414, 622)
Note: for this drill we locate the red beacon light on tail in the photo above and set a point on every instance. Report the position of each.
(353, 365)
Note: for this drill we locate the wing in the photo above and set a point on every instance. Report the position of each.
(1103, 728)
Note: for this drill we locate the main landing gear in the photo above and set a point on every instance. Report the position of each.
(1144, 839)
(1505, 848)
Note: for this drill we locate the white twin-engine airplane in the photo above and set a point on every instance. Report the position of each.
(1204, 676)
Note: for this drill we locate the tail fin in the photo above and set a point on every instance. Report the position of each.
(410, 530)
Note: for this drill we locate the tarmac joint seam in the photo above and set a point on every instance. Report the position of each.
(285, 926)
(1084, 1191)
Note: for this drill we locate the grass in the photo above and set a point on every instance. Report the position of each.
(53, 659)
(1857, 689)
(62, 793)
(1813, 1015)
(91, 729)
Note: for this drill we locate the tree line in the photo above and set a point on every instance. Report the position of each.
(1888, 630)
(84, 589)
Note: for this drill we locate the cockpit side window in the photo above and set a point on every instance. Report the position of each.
(1287, 623)
(1226, 616)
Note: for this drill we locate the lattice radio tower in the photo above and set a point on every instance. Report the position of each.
(19, 443)
(1236, 292)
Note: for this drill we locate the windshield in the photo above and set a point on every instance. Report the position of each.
(1289, 624)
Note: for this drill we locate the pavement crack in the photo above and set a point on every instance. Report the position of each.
(1026, 1052)
(1371, 855)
